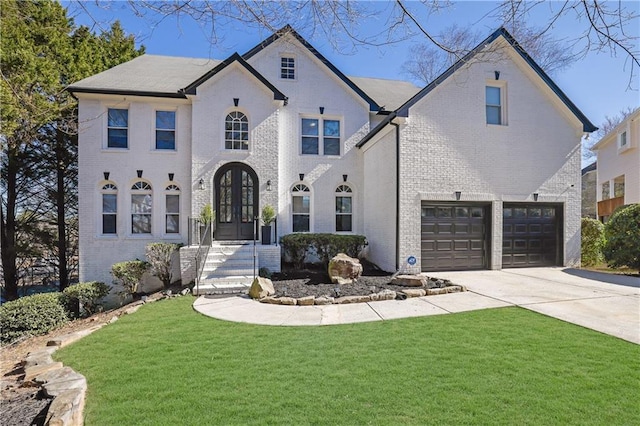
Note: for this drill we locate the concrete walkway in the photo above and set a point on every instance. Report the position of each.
(606, 303)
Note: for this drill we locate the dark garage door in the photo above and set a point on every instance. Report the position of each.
(454, 236)
(531, 235)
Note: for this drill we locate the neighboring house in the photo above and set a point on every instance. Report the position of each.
(478, 170)
(589, 190)
(619, 166)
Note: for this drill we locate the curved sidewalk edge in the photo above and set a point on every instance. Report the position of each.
(246, 310)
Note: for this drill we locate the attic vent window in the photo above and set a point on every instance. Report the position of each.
(287, 68)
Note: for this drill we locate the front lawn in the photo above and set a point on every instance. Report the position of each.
(168, 365)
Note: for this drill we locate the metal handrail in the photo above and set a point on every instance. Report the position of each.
(199, 263)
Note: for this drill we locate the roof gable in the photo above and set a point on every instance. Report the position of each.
(288, 30)
(587, 126)
(191, 88)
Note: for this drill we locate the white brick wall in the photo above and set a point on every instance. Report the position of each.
(447, 146)
(98, 252)
(315, 86)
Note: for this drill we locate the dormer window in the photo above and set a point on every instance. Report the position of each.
(287, 68)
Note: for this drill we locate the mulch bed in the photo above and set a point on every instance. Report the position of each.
(314, 281)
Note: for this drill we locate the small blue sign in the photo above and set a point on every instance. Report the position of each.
(411, 260)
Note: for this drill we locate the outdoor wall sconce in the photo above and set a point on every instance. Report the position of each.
(106, 175)
(269, 185)
(344, 178)
(497, 74)
(535, 196)
(201, 184)
(236, 101)
(458, 195)
(171, 177)
(321, 110)
(139, 173)
(301, 175)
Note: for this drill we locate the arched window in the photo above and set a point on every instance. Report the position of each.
(172, 209)
(301, 201)
(109, 209)
(236, 131)
(344, 209)
(141, 205)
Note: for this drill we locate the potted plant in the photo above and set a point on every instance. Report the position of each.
(206, 218)
(267, 217)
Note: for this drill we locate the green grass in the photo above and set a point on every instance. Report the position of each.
(168, 365)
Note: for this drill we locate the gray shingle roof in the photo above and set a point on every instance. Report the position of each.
(388, 93)
(157, 74)
(148, 73)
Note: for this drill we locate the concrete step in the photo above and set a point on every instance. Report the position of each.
(226, 272)
(238, 284)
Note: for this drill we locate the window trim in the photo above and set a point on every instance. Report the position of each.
(145, 189)
(106, 127)
(344, 188)
(298, 187)
(321, 137)
(172, 190)
(107, 188)
(224, 132)
(502, 86)
(175, 130)
(294, 68)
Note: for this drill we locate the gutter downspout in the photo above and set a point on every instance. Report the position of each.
(397, 126)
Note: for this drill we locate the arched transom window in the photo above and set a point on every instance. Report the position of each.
(172, 209)
(236, 131)
(109, 208)
(141, 205)
(301, 201)
(344, 209)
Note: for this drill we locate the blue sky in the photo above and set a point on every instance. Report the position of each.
(597, 84)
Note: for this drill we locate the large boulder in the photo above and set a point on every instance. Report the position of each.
(344, 269)
(261, 288)
(410, 280)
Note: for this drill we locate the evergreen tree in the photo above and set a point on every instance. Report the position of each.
(41, 52)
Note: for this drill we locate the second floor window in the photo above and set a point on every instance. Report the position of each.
(117, 128)
(165, 130)
(494, 105)
(236, 131)
(312, 136)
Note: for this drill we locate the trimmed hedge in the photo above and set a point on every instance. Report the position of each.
(622, 233)
(592, 241)
(32, 316)
(325, 246)
(83, 299)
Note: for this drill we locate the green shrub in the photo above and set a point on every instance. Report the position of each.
(268, 215)
(31, 316)
(129, 274)
(264, 272)
(83, 299)
(622, 234)
(592, 242)
(325, 246)
(159, 258)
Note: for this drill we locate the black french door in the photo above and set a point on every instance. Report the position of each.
(236, 195)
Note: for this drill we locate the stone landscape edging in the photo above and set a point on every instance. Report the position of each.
(382, 295)
(67, 387)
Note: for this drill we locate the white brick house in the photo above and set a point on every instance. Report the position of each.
(478, 170)
(618, 172)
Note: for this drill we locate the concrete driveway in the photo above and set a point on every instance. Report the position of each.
(602, 302)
